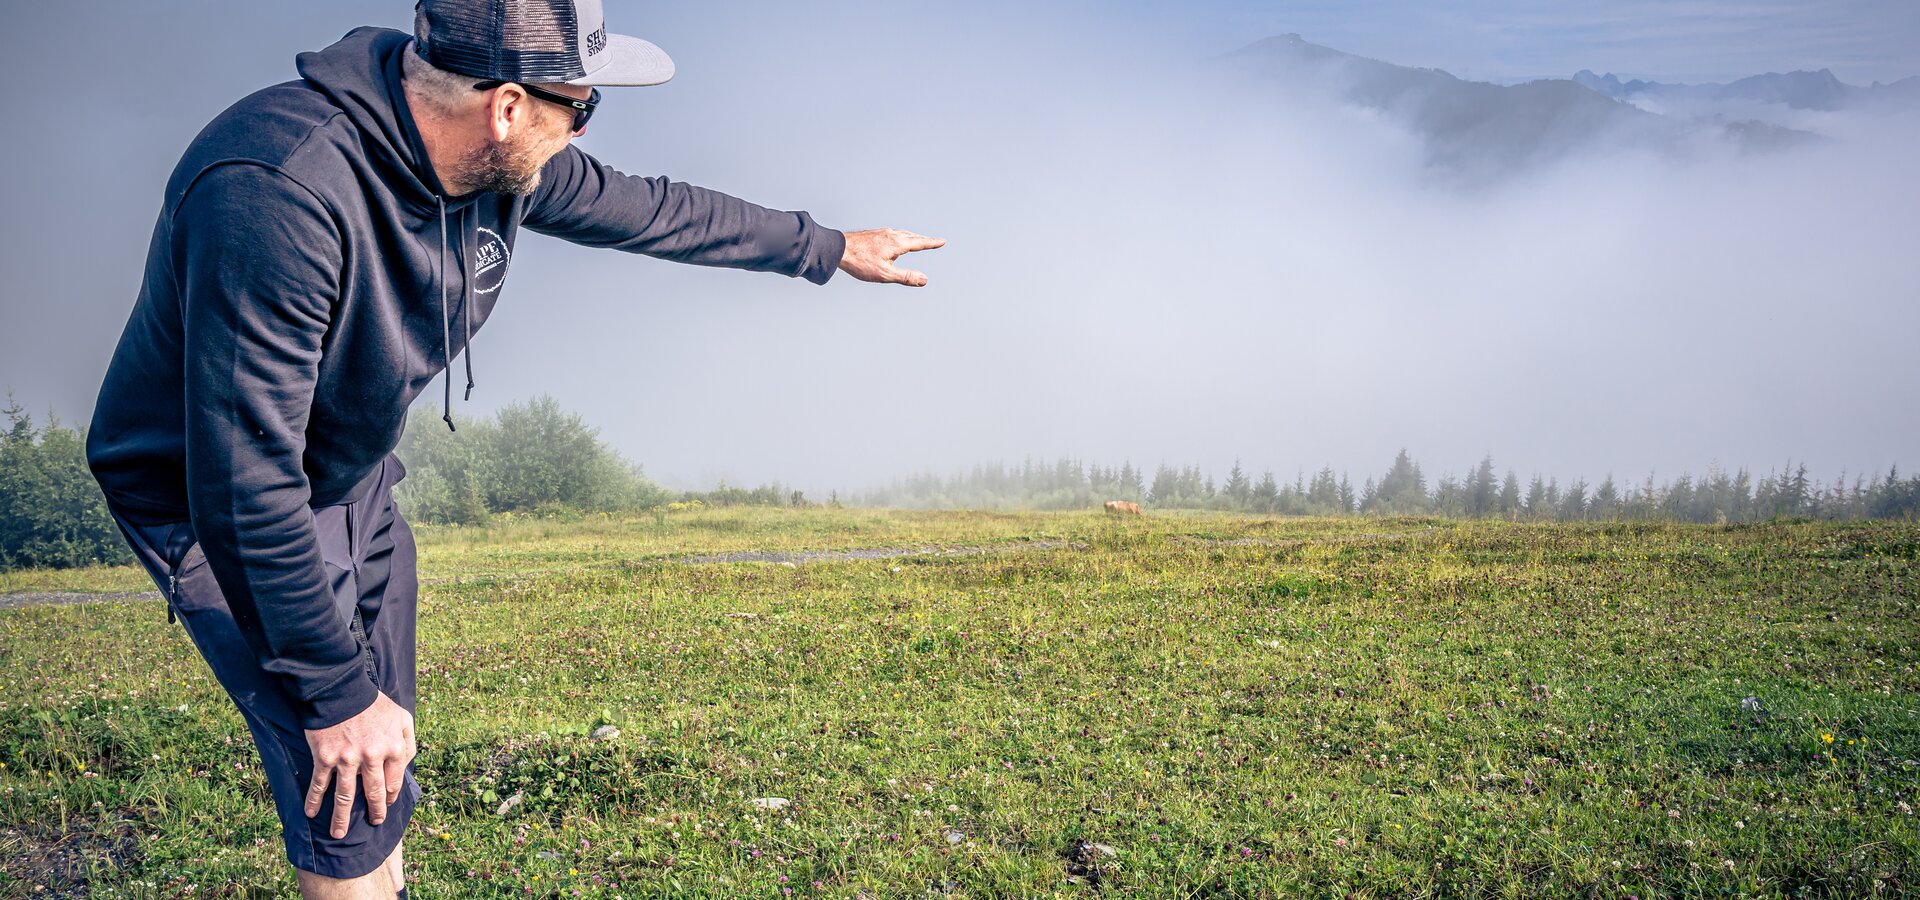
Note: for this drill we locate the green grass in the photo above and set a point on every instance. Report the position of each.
(1237, 706)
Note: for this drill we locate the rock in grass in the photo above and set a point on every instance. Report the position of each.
(771, 802)
(605, 733)
(1106, 850)
(507, 805)
(955, 837)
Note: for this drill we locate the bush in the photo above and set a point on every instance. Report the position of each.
(532, 457)
(52, 513)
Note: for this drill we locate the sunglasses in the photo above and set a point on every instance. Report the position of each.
(582, 109)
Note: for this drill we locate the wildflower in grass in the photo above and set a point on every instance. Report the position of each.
(1827, 737)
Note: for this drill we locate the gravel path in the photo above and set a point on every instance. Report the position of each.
(15, 601)
(807, 556)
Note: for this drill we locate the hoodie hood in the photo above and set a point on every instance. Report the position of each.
(361, 73)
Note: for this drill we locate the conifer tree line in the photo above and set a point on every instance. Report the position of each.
(1717, 496)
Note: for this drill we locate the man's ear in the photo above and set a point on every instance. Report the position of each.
(509, 111)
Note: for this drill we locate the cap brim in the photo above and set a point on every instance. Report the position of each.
(632, 63)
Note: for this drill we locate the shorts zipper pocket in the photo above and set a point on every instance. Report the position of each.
(359, 628)
(176, 574)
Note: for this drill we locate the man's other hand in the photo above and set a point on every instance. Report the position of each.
(369, 751)
(870, 255)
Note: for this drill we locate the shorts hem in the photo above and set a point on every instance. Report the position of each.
(368, 857)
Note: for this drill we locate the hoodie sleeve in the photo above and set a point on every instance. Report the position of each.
(258, 261)
(589, 202)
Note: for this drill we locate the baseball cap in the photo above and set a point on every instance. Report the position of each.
(534, 42)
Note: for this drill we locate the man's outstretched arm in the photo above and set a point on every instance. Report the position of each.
(583, 200)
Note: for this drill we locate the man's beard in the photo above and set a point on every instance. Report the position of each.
(501, 168)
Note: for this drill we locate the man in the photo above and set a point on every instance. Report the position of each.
(325, 247)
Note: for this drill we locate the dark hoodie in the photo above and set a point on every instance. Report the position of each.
(306, 280)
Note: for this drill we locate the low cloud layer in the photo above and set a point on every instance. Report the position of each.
(1145, 265)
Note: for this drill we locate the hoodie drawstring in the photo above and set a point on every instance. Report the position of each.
(446, 328)
(446, 338)
(466, 309)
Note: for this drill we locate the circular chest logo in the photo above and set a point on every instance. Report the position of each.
(490, 263)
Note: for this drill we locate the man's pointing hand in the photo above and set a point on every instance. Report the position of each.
(870, 255)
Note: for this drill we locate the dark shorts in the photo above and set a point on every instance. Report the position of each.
(369, 553)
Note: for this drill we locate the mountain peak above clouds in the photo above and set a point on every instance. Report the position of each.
(1484, 131)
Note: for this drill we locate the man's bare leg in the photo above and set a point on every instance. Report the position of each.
(397, 871)
(375, 885)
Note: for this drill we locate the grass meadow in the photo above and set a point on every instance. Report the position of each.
(1070, 705)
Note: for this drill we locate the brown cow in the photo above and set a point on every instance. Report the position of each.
(1119, 507)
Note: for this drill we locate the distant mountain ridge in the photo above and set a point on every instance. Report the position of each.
(1800, 89)
(1482, 130)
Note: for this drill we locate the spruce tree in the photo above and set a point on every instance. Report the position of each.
(1510, 496)
(1480, 489)
(1238, 489)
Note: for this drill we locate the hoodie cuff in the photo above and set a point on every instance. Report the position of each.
(349, 697)
(825, 247)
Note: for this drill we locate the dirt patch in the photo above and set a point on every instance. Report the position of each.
(1086, 862)
(39, 861)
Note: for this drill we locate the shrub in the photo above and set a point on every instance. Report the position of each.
(532, 457)
(52, 513)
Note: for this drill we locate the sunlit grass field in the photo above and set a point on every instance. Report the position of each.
(1175, 705)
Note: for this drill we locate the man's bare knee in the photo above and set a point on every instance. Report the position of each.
(375, 885)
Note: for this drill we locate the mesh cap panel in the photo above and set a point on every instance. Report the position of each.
(528, 41)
